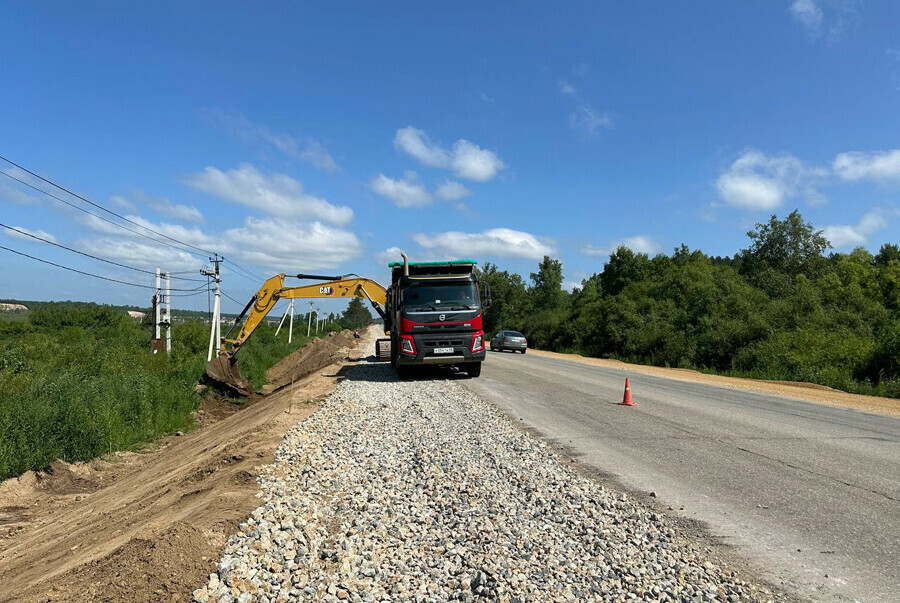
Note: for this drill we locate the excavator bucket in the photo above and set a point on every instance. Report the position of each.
(224, 371)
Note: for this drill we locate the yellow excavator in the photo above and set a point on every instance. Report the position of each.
(224, 369)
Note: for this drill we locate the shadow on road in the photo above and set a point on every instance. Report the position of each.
(372, 370)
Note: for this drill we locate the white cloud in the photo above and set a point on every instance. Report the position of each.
(474, 163)
(808, 14)
(37, 232)
(14, 195)
(274, 194)
(403, 193)
(286, 246)
(466, 159)
(161, 205)
(276, 244)
(639, 244)
(496, 242)
(851, 235)
(587, 120)
(418, 145)
(140, 253)
(567, 88)
(391, 254)
(878, 166)
(829, 17)
(451, 191)
(308, 150)
(756, 181)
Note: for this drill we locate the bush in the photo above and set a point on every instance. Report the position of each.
(77, 381)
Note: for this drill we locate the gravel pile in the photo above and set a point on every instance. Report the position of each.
(421, 491)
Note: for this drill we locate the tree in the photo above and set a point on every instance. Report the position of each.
(546, 291)
(887, 253)
(780, 250)
(509, 297)
(624, 267)
(356, 316)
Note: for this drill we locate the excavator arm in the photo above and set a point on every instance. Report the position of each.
(224, 370)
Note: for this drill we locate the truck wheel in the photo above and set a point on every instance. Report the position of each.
(473, 369)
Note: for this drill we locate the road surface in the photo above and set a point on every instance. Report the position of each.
(809, 494)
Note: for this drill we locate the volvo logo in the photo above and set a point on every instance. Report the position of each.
(442, 317)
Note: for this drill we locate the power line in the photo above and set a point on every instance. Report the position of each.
(238, 268)
(105, 278)
(88, 255)
(241, 304)
(98, 206)
(90, 213)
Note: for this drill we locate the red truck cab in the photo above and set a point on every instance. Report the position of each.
(436, 311)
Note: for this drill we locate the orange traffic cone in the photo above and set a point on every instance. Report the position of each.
(627, 401)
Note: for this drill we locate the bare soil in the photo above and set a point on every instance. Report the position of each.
(807, 392)
(149, 526)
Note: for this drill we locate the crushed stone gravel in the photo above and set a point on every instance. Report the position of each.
(421, 491)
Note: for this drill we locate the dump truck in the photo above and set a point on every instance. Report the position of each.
(435, 311)
(431, 313)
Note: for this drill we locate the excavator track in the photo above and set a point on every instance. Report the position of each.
(383, 350)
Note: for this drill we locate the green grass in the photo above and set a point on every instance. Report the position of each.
(78, 381)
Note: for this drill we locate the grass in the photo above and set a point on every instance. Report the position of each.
(78, 381)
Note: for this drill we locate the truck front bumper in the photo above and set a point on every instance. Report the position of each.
(426, 345)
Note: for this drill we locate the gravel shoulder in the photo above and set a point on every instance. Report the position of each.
(422, 491)
(808, 392)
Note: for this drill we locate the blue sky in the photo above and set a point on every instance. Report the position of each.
(324, 138)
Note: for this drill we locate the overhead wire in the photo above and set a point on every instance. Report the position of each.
(90, 213)
(88, 255)
(98, 206)
(238, 268)
(105, 278)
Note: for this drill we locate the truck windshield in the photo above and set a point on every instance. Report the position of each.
(455, 296)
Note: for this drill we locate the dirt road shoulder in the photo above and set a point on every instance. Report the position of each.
(150, 525)
(807, 392)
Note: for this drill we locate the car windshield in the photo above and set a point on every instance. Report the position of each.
(451, 296)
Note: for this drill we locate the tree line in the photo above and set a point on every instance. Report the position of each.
(783, 308)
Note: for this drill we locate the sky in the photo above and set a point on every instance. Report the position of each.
(326, 137)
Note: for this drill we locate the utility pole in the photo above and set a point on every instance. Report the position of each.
(290, 309)
(215, 331)
(317, 322)
(291, 327)
(309, 321)
(156, 342)
(156, 308)
(168, 317)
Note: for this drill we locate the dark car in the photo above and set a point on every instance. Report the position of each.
(509, 340)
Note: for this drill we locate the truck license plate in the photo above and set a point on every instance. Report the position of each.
(443, 350)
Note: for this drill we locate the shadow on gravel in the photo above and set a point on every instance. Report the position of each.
(374, 371)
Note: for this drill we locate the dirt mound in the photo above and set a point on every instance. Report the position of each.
(315, 355)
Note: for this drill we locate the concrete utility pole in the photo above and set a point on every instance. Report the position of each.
(290, 309)
(156, 308)
(215, 331)
(309, 321)
(291, 327)
(168, 317)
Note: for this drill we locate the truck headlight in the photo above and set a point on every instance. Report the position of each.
(477, 343)
(406, 346)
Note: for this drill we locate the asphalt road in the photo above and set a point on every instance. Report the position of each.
(808, 494)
